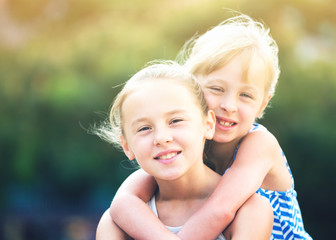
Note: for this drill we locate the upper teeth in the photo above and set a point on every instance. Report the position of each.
(169, 155)
(226, 124)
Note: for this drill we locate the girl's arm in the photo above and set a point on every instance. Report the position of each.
(108, 230)
(253, 161)
(131, 213)
(254, 220)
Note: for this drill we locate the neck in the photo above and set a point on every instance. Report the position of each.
(197, 184)
(222, 154)
(177, 200)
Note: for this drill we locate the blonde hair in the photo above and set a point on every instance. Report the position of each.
(240, 34)
(112, 129)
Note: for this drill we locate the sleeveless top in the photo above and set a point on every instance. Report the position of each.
(288, 222)
(152, 206)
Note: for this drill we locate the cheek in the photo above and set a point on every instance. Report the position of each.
(186, 136)
(211, 101)
(250, 112)
(141, 146)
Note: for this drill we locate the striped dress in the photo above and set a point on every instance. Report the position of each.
(288, 222)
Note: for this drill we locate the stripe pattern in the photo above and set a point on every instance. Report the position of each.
(288, 222)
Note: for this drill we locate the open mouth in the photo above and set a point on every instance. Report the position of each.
(226, 123)
(167, 156)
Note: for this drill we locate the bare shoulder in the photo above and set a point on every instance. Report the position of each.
(260, 151)
(264, 148)
(257, 155)
(263, 142)
(261, 135)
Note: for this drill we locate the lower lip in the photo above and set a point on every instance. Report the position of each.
(169, 160)
(225, 128)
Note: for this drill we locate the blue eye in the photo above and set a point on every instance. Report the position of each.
(246, 95)
(142, 129)
(176, 120)
(217, 89)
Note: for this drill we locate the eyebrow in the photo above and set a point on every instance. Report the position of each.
(215, 80)
(246, 85)
(172, 112)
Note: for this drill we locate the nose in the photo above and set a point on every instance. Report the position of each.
(162, 137)
(229, 104)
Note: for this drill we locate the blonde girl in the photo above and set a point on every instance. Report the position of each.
(160, 118)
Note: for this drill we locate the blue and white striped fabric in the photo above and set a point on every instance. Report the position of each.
(288, 222)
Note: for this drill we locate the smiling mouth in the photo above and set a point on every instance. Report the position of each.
(167, 156)
(226, 123)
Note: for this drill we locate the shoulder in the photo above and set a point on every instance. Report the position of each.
(260, 144)
(260, 136)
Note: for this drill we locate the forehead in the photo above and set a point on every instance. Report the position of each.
(159, 88)
(157, 97)
(244, 68)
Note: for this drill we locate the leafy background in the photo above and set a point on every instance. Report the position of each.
(60, 61)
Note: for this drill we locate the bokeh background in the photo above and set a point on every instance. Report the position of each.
(60, 61)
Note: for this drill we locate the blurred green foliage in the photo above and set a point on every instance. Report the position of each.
(60, 63)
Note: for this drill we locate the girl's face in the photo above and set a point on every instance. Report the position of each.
(235, 101)
(164, 129)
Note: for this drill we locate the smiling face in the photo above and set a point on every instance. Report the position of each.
(164, 128)
(237, 96)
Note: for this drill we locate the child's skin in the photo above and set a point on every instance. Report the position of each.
(259, 160)
(238, 84)
(167, 139)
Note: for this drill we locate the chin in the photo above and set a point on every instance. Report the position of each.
(221, 139)
(170, 176)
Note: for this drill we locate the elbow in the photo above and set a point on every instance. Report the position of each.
(228, 215)
(224, 216)
(121, 203)
(118, 204)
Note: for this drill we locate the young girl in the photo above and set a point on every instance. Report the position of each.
(236, 64)
(161, 119)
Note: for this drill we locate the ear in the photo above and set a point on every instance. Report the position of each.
(264, 105)
(128, 152)
(210, 125)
